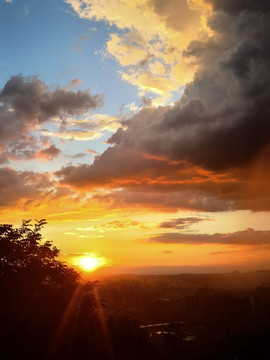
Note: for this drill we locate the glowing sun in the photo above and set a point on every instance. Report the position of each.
(89, 262)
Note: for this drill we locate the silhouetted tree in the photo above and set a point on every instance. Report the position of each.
(36, 288)
(46, 313)
(24, 256)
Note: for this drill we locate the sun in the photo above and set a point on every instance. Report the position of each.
(89, 262)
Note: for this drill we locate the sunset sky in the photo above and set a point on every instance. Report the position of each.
(140, 129)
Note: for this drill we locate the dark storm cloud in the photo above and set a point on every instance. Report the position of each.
(220, 127)
(222, 121)
(245, 237)
(235, 6)
(195, 48)
(30, 98)
(25, 103)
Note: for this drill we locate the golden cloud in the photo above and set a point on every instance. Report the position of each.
(88, 128)
(152, 36)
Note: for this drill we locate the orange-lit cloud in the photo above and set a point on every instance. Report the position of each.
(245, 237)
(132, 179)
(84, 128)
(92, 152)
(48, 153)
(74, 83)
(116, 225)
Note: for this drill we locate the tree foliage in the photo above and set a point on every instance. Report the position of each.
(47, 313)
(25, 257)
(36, 288)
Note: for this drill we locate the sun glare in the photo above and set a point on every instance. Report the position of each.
(89, 262)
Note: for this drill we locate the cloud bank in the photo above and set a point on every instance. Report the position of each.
(245, 237)
(210, 150)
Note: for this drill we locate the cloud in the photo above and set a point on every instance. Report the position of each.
(162, 201)
(73, 83)
(48, 153)
(30, 99)
(3, 158)
(116, 225)
(210, 150)
(79, 134)
(124, 171)
(225, 252)
(78, 155)
(25, 148)
(27, 103)
(24, 186)
(92, 152)
(245, 237)
(127, 49)
(181, 223)
(83, 129)
(135, 179)
(81, 39)
(149, 32)
(84, 37)
(235, 7)
(26, 10)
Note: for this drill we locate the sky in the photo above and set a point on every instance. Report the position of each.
(139, 130)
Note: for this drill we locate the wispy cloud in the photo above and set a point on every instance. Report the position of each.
(116, 225)
(182, 223)
(86, 128)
